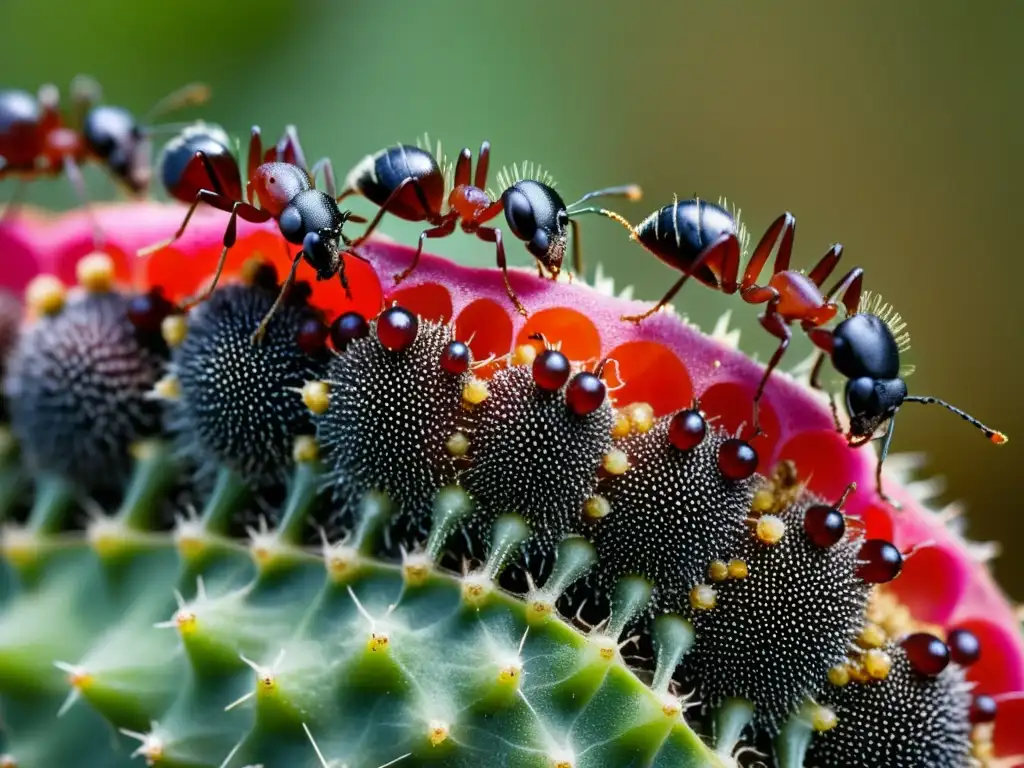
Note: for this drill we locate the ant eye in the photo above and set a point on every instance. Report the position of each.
(272, 180)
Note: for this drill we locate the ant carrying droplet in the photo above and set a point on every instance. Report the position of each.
(409, 182)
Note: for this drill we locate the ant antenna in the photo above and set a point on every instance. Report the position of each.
(191, 95)
(994, 435)
(631, 192)
(608, 215)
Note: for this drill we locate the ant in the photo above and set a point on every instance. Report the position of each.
(36, 141)
(197, 167)
(409, 182)
(866, 351)
(704, 241)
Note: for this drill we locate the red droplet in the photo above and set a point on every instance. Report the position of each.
(649, 372)
(737, 459)
(550, 370)
(312, 336)
(983, 709)
(687, 429)
(585, 393)
(824, 525)
(148, 310)
(964, 647)
(396, 328)
(347, 328)
(927, 654)
(456, 358)
(880, 561)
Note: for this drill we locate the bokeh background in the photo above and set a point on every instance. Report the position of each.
(894, 128)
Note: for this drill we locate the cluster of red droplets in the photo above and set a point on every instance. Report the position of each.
(929, 656)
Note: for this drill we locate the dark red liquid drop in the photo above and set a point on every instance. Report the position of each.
(964, 647)
(312, 336)
(396, 328)
(585, 393)
(550, 370)
(983, 709)
(880, 561)
(148, 310)
(687, 429)
(347, 328)
(927, 654)
(456, 358)
(737, 460)
(824, 525)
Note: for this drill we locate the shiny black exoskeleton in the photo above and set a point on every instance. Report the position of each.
(409, 182)
(114, 136)
(679, 233)
(183, 173)
(864, 350)
(313, 220)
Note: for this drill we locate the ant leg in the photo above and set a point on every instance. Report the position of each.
(261, 329)
(218, 201)
(483, 162)
(493, 235)
(74, 174)
(824, 268)
(191, 95)
(324, 164)
(248, 213)
(577, 252)
(784, 224)
(343, 278)
(11, 209)
(461, 177)
(815, 383)
(850, 287)
(443, 230)
(388, 203)
(289, 149)
(253, 161)
(890, 430)
(727, 246)
(776, 325)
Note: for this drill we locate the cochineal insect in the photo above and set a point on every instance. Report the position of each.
(409, 182)
(703, 241)
(198, 167)
(37, 139)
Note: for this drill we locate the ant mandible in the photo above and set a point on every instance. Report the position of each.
(409, 182)
(36, 141)
(197, 167)
(703, 241)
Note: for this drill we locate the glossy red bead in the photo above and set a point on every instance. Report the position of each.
(737, 460)
(880, 561)
(148, 310)
(687, 429)
(927, 654)
(312, 336)
(964, 647)
(550, 370)
(347, 328)
(585, 393)
(396, 328)
(456, 358)
(983, 709)
(824, 525)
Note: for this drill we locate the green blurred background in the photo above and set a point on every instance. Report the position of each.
(894, 128)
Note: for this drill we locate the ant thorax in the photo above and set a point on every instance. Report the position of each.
(468, 201)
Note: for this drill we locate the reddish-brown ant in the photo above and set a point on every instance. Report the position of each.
(703, 241)
(408, 182)
(197, 168)
(35, 139)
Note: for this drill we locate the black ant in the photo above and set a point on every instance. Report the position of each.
(197, 167)
(703, 241)
(36, 141)
(864, 349)
(409, 182)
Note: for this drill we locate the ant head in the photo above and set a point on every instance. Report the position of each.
(863, 346)
(537, 215)
(320, 250)
(114, 136)
(183, 173)
(871, 402)
(277, 184)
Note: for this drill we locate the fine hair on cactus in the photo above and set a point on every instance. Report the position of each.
(370, 507)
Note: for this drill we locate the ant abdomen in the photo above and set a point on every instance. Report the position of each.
(377, 177)
(277, 184)
(678, 233)
(20, 116)
(183, 174)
